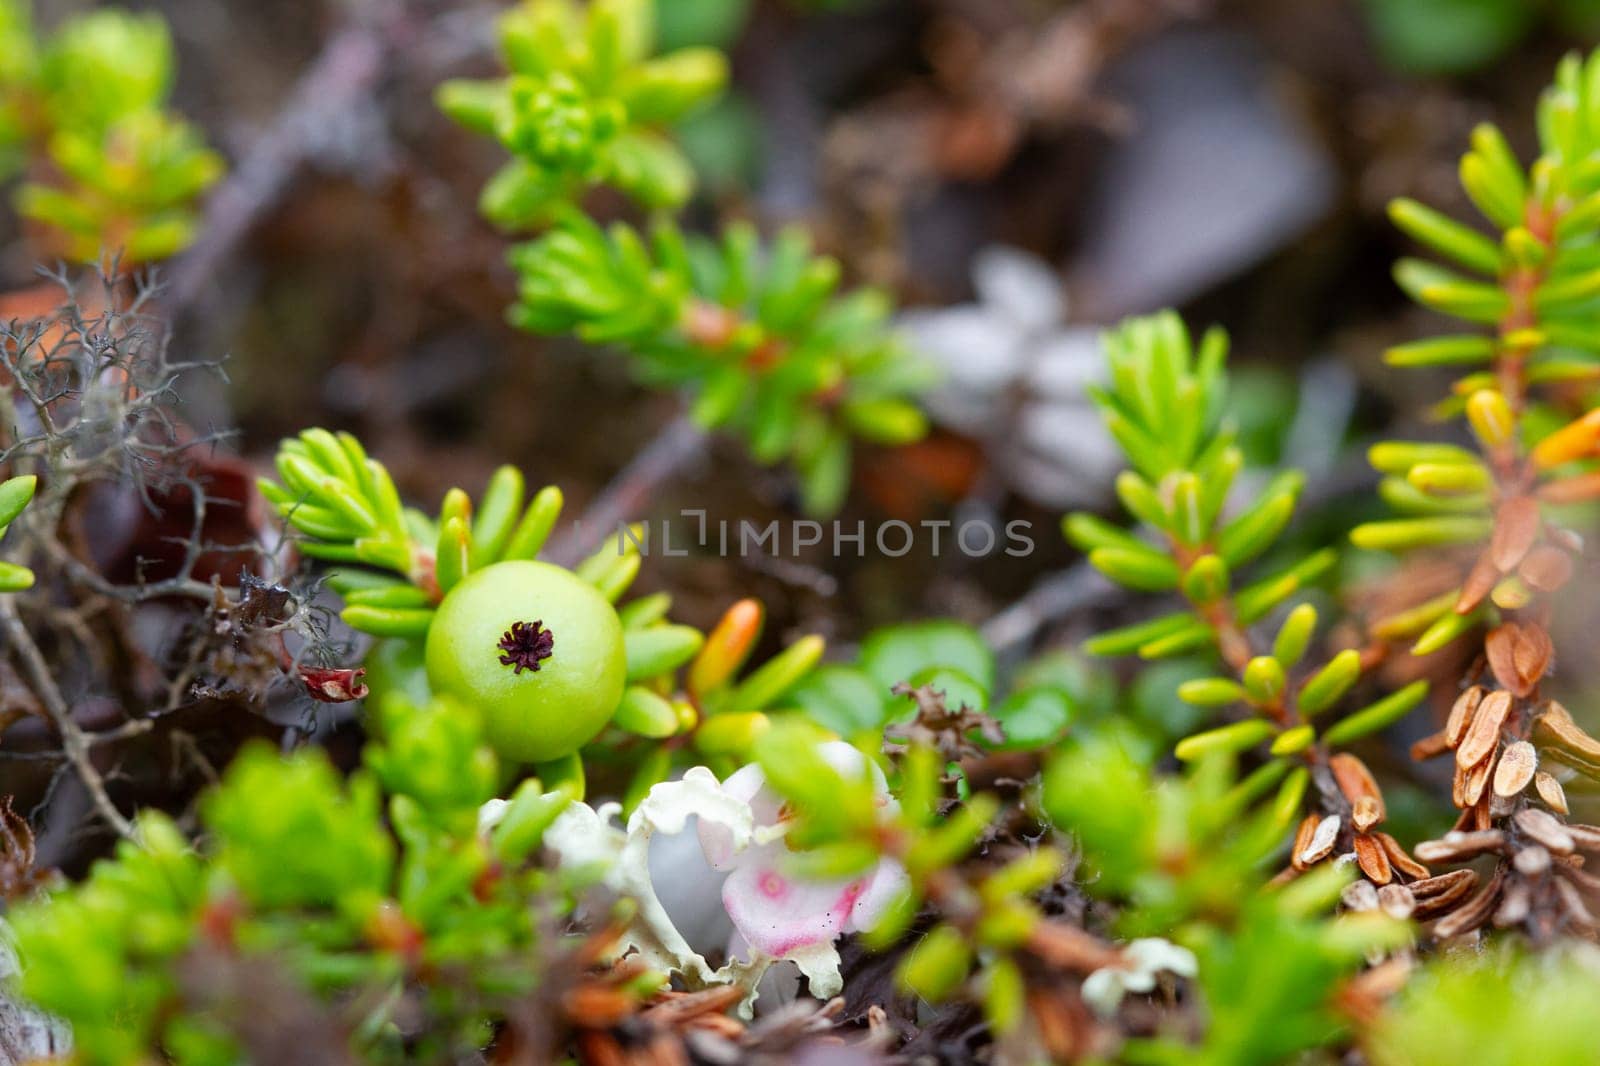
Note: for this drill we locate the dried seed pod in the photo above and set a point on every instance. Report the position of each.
(1322, 840)
(1532, 861)
(1436, 895)
(1462, 713)
(1459, 847)
(1550, 790)
(1516, 768)
(1359, 896)
(1471, 914)
(1545, 828)
(1547, 568)
(1373, 861)
(1481, 737)
(1399, 859)
(1516, 530)
(1428, 747)
(1302, 840)
(1356, 781)
(1514, 907)
(1397, 901)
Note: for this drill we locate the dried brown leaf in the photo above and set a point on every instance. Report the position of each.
(1360, 895)
(1516, 529)
(1577, 911)
(1483, 734)
(1365, 996)
(1546, 828)
(1515, 906)
(1555, 728)
(1322, 840)
(1399, 859)
(1470, 783)
(1532, 861)
(1372, 859)
(1516, 768)
(1531, 653)
(1302, 840)
(1067, 947)
(1547, 568)
(1397, 901)
(1586, 837)
(1572, 869)
(1356, 782)
(1481, 580)
(1471, 914)
(1430, 746)
(1437, 895)
(1462, 713)
(1550, 790)
(1458, 846)
(1499, 647)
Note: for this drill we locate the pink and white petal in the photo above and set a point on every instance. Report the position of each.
(689, 889)
(779, 984)
(819, 963)
(746, 786)
(716, 844)
(887, 884)
(778, 914)
(745, 782)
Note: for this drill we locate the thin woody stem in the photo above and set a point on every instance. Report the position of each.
(74, 742)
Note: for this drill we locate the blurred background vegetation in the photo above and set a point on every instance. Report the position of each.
(1230, 156)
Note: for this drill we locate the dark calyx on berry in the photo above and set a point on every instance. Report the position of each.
(526, 645)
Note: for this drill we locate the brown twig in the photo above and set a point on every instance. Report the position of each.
(346, 72)
(74, 742)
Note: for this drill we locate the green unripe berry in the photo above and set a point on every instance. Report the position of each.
(536, 650)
